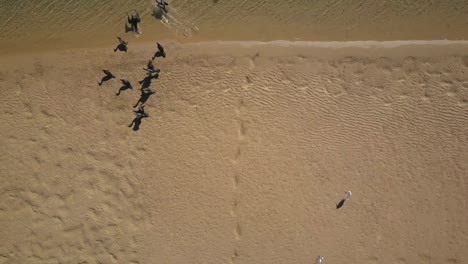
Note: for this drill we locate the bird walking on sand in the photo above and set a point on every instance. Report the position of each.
(319, 260)
(160, 52)
(133, 21)
(162, 4)
(150, 68)
(341, 203)
(141, 111)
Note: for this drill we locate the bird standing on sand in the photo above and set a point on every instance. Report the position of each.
(150, 68)
(162, 4)
(133, 21)
(140, 111)
(140, 114)
(319, 260)
(341, 203)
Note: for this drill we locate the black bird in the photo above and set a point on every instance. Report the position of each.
(133, 21)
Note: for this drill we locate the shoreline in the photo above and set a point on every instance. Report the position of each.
(338, 44)
(366, 44)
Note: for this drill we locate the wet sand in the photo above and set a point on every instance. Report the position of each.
(247, 150)
(52, 24)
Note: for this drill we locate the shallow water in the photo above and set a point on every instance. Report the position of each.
(27, 25)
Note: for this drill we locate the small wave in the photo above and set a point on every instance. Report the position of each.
(175, 21)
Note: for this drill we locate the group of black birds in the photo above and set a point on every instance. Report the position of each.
(146, 92)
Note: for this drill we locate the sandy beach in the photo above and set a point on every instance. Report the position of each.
(247, 150)
(265, 114)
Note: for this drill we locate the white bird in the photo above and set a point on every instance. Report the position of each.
(348, 195)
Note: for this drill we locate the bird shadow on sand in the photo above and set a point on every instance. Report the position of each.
(145, 94)
(160, 52)
(140, 114)
(121, 47)
(136, 123)
(128, 28)
(341, 203)
(126, 85)
(146, 82)
(108, 76)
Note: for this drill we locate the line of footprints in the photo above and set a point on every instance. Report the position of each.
(146, 92)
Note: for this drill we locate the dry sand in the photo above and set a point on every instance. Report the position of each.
(247, 150)
(51, 24)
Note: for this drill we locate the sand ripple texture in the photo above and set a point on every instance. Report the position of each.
(246, 152)
(51, 24)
